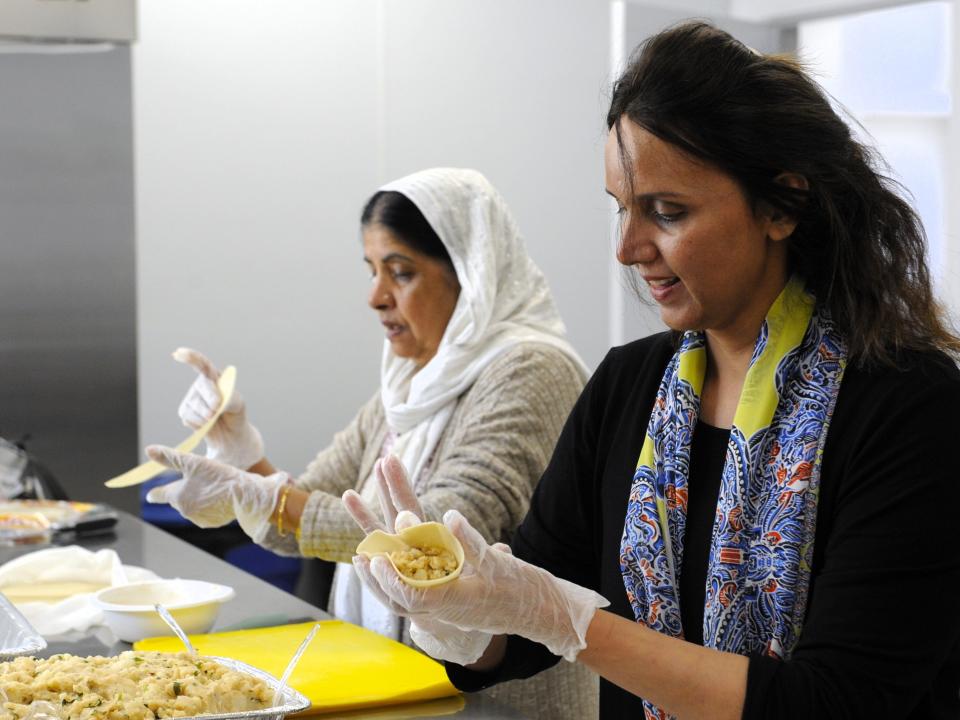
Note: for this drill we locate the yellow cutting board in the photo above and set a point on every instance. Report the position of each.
(344, 667)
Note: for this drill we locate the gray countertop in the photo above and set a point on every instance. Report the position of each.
(257, 604)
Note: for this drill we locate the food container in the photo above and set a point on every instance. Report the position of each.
(17, 637)
(428, 534)
(129, 609)
(289, 700)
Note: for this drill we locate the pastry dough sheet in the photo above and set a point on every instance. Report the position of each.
(150, 469)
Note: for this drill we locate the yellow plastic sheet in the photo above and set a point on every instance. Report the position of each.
(345, 667)
(150, 469)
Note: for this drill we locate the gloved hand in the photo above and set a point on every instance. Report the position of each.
(232, 440)
(394, 492)
(211, 494)
(496, 593)
(401, 509)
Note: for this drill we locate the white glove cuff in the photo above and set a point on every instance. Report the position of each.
(254, 505)
(463, 647)
(580, 605)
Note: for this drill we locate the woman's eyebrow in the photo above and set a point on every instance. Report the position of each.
(657, 194)
(396, 256)
(390, 257)
(639, 197)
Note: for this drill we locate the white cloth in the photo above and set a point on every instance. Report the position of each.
(504, 300)
(65, 565)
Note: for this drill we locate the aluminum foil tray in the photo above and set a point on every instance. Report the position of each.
(291, 701)
(17, 636)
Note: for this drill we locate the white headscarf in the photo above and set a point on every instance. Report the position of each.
(504, 300)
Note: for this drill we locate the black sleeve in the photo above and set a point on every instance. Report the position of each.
(883, 617)
(558, 533)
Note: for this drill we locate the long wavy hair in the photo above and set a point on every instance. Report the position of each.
(858, 245)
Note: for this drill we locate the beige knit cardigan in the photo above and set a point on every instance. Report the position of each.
(487, 461)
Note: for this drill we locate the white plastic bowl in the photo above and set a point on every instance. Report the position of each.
(128, 609)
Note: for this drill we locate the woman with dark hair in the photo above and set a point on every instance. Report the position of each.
(760, 497)
(476, 380)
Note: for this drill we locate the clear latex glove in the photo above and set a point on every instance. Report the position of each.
(401, 509)
(211, 494)
(496, 593)
(436, 638)
(232, 440)
(395, 494)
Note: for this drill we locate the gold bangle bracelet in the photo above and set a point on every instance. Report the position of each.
(281, 506)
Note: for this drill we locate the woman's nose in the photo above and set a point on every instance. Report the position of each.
(636, 245)
(379, 297)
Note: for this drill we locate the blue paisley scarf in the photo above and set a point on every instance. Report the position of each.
(761, 549)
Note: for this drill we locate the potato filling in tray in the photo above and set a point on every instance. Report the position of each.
(134, 685)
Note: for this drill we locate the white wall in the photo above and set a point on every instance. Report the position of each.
(261, 128)
(950, 281)
(791, 11)
(515, 89)
(781, 12)
(688, 8)
(255, 150)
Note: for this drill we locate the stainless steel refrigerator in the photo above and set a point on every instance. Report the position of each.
(67, 265)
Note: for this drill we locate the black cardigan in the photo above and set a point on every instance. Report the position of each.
(882, 632)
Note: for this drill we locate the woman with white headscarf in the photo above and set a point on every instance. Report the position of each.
(477, 379)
